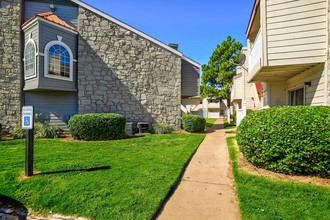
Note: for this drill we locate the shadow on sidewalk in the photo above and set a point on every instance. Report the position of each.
(214, 128)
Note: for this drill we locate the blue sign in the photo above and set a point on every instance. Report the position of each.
(27, 117)
(27, 121)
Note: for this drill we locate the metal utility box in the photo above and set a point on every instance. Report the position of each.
(143, 127)
(129, 128)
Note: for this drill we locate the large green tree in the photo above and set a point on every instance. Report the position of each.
(218, 73)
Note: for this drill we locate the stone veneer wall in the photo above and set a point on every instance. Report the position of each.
(10, 62)
(122, 72)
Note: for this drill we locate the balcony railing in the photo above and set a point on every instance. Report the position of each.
(213, 105)
(255, 54)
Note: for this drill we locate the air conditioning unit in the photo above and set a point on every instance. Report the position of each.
(129, 128)
(143, 127)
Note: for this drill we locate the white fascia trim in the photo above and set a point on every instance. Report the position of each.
(31, 23)
(191, 61)
(126, 26)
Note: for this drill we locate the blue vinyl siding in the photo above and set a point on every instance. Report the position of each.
(43, 33)
(64, 10)
(190, 80)
(61, 104)
(49, 32)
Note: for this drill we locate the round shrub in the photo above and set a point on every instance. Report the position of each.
(97, 126)
(291, 140)
(193, 123)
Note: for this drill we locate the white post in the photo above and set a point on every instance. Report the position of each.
(228, 115)
(238, 114)
(244, 108)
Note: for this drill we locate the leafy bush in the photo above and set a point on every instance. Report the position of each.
(292, 140)
(0, 131)
(249, 111)
(162, 128)
(97, 126)
(18, 132)
(40, 131)
(48, 131)
(193, 123)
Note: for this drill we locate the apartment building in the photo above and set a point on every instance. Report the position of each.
(288, 44)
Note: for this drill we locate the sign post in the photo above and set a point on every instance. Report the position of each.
(27, 123)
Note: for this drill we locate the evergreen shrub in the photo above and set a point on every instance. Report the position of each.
(193, 123)
(291, 140)
(97, 126)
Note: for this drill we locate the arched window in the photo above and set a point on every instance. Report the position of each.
(58, 60)
(30, 59)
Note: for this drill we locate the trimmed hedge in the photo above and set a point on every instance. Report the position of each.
(97, 126)
(291, 140)
(193, 123)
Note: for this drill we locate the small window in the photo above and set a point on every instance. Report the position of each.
(58, 61)
(30, 60)
(296, 97)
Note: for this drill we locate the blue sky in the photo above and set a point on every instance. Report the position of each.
(197, 26)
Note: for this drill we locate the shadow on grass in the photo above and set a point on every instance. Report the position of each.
(77, 170)
(12, 209)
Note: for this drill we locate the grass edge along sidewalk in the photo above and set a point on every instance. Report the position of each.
(123, 179)
(265, 198)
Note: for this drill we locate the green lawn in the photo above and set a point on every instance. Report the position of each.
(210, 122)
(124, 179)
(227, 125)
(264, 198)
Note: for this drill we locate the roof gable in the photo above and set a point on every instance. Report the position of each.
(130, 28)
(49, 16)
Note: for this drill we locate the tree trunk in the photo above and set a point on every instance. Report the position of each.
(228, 110)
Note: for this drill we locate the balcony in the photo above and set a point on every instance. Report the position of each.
(237, 88)
(255, 56)
(213, 105)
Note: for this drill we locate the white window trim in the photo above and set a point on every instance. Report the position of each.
(35, 59)
(46, 59)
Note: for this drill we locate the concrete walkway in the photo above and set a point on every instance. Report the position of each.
(206, 189)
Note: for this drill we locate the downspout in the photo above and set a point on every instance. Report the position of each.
(326, 63)
(21, 64)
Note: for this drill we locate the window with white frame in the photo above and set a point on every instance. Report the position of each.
(296, 97)
(30, 59)
(58, 60)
